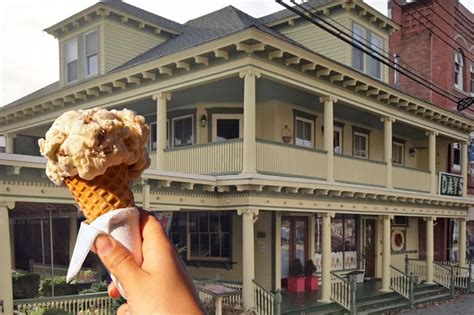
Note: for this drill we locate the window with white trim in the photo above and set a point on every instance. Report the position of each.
(226, 127)
(71, 60)
(304, 132)
(153, 135)
(358, 33)
(92, 53)
(398, 151)
(361, 145)
(375, 66)
(456, 157)
(337, 140)
(458, 70)
(183, 131)
(209, 234)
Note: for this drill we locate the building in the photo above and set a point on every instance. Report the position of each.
(270, 142)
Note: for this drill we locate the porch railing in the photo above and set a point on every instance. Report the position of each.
(462, 276)
(343, 292)
(360, 171)
(93, 303)
(411, 178)
(266, 302)
(234, 300)
(402, 283)
(444, 276)
(416, 267)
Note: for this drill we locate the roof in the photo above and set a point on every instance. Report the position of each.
(205, 28)
(287, 13)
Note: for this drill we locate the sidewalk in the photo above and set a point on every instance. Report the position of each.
(463, 304)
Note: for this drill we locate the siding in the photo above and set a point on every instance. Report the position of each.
(122, 43)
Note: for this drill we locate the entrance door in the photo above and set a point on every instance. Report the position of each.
(369, 247)
(294, 243)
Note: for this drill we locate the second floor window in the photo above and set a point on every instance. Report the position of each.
(456, 157)
(71, 60)
(357, 54)
(360, 61)
(304, 132)
(472, 78)
(92, 53)
(183, 131)
(374, 66)
(397, 153)
(361, 145)
(226, 127)
(153, 136)
(337, 140)
(458, 70)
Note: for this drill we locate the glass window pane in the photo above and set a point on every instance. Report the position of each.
(357, 54)
(303, 133)
(228, 129)
(215, 245)
(203, 222)
(285, 247)
(193, 222)
(183, 131)
(225, 244)
(204, 245)
(194, 244)
(92, 43)
(214, 222)
(92, 64)
(72, 71)
(70, 50)
(225, 222)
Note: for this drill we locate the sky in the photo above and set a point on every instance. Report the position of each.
(30, 59)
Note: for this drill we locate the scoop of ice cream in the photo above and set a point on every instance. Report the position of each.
(87, 142)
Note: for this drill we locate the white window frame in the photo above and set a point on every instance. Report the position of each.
(153, 129)
(456, 167)
(216, 117)
(364, 135)
(339, 129)
(86, 66)
(173, 131)
(362, 39)
(458, 70)
(66, 62)
(371, 62)
(402, 150)
(305, 120)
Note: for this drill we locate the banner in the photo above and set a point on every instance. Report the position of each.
(450, 184)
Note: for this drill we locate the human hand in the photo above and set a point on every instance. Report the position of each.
(161, 285)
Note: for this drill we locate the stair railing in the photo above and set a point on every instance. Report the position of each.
(343, 292)
(402, 283)
(444, 276)
(417, 267)
(266, 302)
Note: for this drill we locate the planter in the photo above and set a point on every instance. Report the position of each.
(356, 276)
(311, 283)
(296, 284)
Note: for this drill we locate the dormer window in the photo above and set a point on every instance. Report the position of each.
(92, 53)
(81, 56)
(71, 60)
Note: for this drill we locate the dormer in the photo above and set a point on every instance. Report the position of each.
(104, 36)
(351, 16)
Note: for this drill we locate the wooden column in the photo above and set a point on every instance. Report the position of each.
(464, 167)
(429, 249)
(432, 160)
(161, 99)
(462, 242)
(329, 134)
(249, 165)
(249, 216)
(326, 258)
(9, 142)
(387, 145)
(278, 251)
(72, 234)
(6, 288)
(386, 253)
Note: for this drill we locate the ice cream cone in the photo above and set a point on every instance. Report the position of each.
(103, 193)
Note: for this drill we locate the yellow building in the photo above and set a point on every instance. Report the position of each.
(270, 141)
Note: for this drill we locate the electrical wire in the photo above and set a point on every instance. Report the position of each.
(449, 13)
(379, 57)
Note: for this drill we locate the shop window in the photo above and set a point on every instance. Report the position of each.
(183, 131)
(227, 127)
(343, 242)
(398, 151)
(209, 235)
(361, 145)
(337, 140)
(304, 132)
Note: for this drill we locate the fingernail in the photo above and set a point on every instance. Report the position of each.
(103, 245)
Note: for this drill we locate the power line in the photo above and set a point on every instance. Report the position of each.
(350, 40)
(449, 13)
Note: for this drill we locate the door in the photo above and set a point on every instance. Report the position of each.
(294, 243)
(369, 247)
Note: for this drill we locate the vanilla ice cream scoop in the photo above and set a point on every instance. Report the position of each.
(85, 143)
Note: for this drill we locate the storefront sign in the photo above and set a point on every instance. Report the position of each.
(450, 184)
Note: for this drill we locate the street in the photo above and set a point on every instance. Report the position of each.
(463, 304)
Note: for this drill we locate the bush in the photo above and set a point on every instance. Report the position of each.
(60, 287)
(95, 287)
(25, 284)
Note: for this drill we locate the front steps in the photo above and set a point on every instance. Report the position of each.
(386, 303)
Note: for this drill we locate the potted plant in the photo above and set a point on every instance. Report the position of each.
(311, 281)
(296, 278)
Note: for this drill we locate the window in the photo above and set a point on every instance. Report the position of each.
(337, 140)
(209, 235)
(472, 78)
(396, 73)
(361, 145)
(153, 136)
(375, 66)
(357, 54)
(92, 53)
(304, 132)
(456, 157)
(71, 60)
(226, 127)
(398, 153)
(458, 70)
(183, 131)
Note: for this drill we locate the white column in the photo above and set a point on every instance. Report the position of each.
(6, 289)
(72, 234)
(386, 253)
(250, 144)
(464, 165)
(329, 134)
(278, 251)
(326, 258)
(388, 122)
(145, 195)
(249, 216)
(9, 142)
(429, 249)
(161, 99)
(462, 242)
(12, 243)
(432, 160)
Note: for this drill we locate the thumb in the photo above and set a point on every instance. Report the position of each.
(119, 261)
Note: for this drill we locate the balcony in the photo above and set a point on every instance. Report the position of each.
(359, 171)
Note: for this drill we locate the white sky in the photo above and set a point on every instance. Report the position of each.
(29, 57)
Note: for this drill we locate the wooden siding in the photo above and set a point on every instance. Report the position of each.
(123, 43)
(359, 171)
(411, 179)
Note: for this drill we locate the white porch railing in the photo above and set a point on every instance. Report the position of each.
(234, 300)
(343, 293)
(266, 302)
(93, 303)
(359, 171)
(462, 276)
(84, 275)
(416, 267)
(285, 159)
(411, 179)
(212, 158)
(401, 283)
(442, 275)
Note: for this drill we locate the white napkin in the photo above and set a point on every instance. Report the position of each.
(122, 224)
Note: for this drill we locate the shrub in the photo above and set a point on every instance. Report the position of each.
(95, 287)
(60, 287)
(25, 284)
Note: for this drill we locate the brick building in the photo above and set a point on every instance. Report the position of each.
(442, 52)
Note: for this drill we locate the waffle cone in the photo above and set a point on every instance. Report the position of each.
(103, 193)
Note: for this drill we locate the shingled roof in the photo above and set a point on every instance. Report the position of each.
(287, 13)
